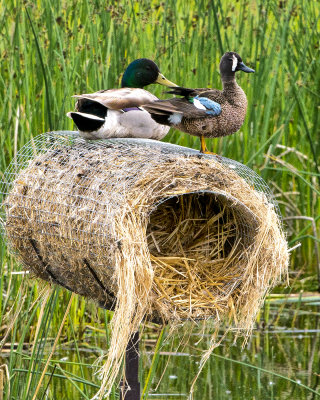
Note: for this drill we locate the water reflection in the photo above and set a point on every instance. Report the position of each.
(280, 361)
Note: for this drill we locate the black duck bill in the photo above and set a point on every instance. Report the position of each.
(242, 67)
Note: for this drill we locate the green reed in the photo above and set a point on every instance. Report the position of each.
(51, 50)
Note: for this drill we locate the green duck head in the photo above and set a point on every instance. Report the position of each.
(143, 72)
(232, 62)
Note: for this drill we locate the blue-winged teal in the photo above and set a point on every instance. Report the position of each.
(116, 112)
(206, 112)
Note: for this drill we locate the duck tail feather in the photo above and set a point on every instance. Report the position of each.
(161, 107)
(86, 122)
(181, 91)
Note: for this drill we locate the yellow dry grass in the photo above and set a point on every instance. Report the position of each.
(195, 248)
(151, 235)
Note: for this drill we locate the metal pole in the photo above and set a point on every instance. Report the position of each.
(132, 370)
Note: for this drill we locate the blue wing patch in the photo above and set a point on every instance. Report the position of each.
(212, 107)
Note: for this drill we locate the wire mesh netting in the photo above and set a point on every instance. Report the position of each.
(148, 229)
(54, 140)
(58, 195)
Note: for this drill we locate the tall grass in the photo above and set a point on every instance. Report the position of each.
(51, 50)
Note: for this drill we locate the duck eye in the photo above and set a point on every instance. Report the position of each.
(230, 59)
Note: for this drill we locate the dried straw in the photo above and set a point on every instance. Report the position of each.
(151, 235)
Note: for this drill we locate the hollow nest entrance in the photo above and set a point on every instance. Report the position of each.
(197, 244)
(188, 236)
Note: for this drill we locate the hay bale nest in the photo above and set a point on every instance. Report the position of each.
(150, 231)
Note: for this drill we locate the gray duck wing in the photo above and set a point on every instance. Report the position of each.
(186, 92)
(168, 107)
(213, 94)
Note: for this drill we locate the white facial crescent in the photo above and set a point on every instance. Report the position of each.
(234, 62)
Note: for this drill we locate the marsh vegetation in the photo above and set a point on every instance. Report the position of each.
(52, 50)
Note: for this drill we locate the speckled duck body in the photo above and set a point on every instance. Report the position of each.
(206, 112)
(233, 103)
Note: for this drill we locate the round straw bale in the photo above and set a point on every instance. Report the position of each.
(148, 229)
(212, 244)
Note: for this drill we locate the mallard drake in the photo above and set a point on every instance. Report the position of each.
(206, 112)
(116, 112)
